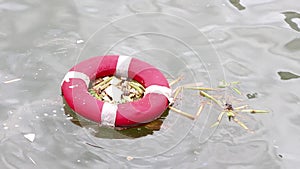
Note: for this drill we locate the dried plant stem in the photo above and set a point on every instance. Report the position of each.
(219, 119)
(241, 107)
(137, 87)
(199, 88)
(182, 113)
(236, 90)
(200, 110)
(202, 93)
(241, 123)
(175, 81)
(104, 82)
(254, 111)
(177, 91)
(104, 86)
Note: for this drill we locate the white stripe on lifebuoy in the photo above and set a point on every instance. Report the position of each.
(76, 75)
(160, 90)
(109, 114)
(123, 65)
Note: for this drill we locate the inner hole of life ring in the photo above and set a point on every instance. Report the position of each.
(116, 90)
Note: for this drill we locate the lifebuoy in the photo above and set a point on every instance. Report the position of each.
(154, 102)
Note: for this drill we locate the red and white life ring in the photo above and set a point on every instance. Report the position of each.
(155, 101)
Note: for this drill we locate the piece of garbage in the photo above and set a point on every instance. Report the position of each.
(129, 158)
(114, 93)
(32, 160)
(116, 90)
(79, 41)
(30, 137)
(115, 81)
(11, 81)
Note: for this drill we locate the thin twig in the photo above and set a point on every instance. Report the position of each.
(101, 84)
(254, 111)
(175, 81)
(177, 91)
(236, 90)
(202, 93)
(219, 119)
(182, 113)
(93, 145)
(241, 123)
(200, 110)
(199, 88)
(138, 87)
(241, 107)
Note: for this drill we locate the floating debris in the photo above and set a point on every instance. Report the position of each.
(230, 111)
(200, 110)
(251, 96)
(226, 109)
(32, 160)
(231, 85)
(30, 137)
(79, 41)
(182, 113)
(11, 81)
(129, 158)
(114, 93)
(116, 90)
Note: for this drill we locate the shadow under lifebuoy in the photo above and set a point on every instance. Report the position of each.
(99, 131)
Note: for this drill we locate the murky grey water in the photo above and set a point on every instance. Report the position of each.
(207, 41)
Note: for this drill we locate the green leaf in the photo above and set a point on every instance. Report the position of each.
(235, 82)
(236, 90)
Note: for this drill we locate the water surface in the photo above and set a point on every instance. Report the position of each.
(205, 41)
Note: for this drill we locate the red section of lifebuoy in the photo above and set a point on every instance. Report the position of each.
(148, 108)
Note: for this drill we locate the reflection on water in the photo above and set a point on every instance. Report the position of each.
(287, 75)
(117, 133)
(39, 42)
(237, 4)
(293, 45)
(289, 17)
